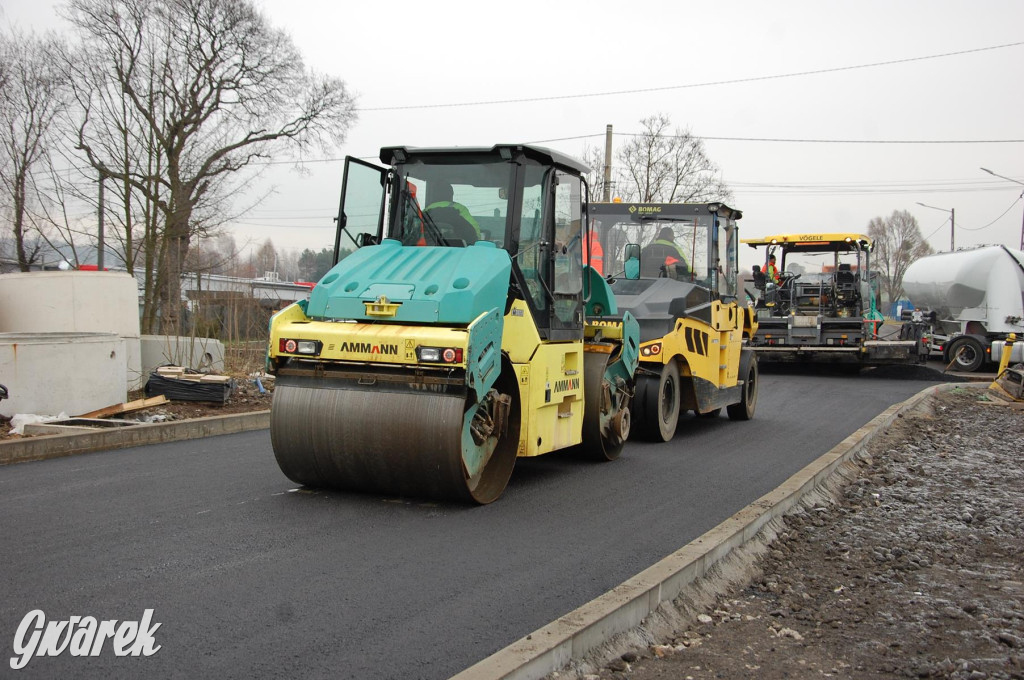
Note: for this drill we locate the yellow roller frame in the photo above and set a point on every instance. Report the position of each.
(550, 378)
(363, 342)
(711, 353)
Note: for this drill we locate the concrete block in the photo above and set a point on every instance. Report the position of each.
(53, 373)
(201, 354)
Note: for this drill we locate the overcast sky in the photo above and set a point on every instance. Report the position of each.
(425, 71)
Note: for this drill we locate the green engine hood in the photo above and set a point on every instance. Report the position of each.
(428, 284)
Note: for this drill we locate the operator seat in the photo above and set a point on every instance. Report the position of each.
(760, 278)
(845, 279)
(452, 224)
(846, 286)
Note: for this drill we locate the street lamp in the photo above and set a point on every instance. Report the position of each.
(952, 221)
(1021, 195)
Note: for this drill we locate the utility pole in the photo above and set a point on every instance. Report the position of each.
(607, 194)
(952, 228)
(100, 248)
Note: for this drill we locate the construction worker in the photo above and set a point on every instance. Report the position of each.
(663, 257)
(445, 211)
(771, 271)
(594, 256)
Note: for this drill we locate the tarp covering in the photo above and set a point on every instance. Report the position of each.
(184, 389)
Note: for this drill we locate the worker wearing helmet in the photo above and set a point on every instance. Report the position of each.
(445, 211)
(663, 257)
(771, 271)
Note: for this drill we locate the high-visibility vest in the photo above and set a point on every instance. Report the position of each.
(771, 271)
(668, 258)
(596, 257)
(459, 208)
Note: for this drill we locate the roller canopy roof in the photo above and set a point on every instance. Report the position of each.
(813, 242)
(397, 154)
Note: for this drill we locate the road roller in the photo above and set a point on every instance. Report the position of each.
(462, 326)
(681, 284)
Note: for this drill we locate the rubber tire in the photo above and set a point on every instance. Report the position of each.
(656, 404)
(973, 356)
(745, 407)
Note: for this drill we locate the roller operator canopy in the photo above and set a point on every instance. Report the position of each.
(391, 155)
(813, 243)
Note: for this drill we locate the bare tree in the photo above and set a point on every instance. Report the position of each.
(664, 166)
(31, 97)
(594, 158)
(288, 264)
(898, 244)
(266, 258)
(200, 90)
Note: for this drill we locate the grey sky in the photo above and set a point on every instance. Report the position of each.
(423, 55)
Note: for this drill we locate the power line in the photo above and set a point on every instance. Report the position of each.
(666, 88)
(860, 141)
(855, 191)
(928, 237)
(709, 138)
(1015, 202)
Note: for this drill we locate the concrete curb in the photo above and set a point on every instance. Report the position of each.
(59, 445)
(625, 607)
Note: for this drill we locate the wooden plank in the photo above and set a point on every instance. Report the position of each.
(216, 378)
(126, 407)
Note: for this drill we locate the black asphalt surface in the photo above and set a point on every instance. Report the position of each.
(250, 577)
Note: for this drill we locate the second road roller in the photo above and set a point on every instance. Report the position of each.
(460, 327)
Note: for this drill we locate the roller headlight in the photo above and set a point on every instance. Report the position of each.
(439, 355)
(292, 346)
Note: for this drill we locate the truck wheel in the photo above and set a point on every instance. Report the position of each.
(656, 410)
(966, 354)
(744, 408)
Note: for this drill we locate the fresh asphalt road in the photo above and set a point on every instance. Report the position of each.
(249, 577)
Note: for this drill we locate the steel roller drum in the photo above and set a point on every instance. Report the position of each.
(404, 442)
(600, 441)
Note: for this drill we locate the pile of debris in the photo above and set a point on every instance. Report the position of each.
(184, 384)
(209, 393)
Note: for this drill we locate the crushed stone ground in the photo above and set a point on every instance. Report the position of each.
(913, 568)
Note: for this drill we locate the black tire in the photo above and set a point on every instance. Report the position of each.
(656, 404)
(966, 354)
(745, 407)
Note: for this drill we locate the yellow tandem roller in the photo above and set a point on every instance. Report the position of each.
(462, 333)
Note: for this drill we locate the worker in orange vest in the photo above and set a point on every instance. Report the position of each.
(771, 271)
(594, 255)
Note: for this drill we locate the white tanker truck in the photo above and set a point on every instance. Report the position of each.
(974, 299)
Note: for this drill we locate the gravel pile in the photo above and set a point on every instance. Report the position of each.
(913, 569)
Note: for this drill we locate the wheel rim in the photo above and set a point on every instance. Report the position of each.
(966, 355)
(668, 399)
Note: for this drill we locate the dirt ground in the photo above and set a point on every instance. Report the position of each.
(245, 397)
(912, 569)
